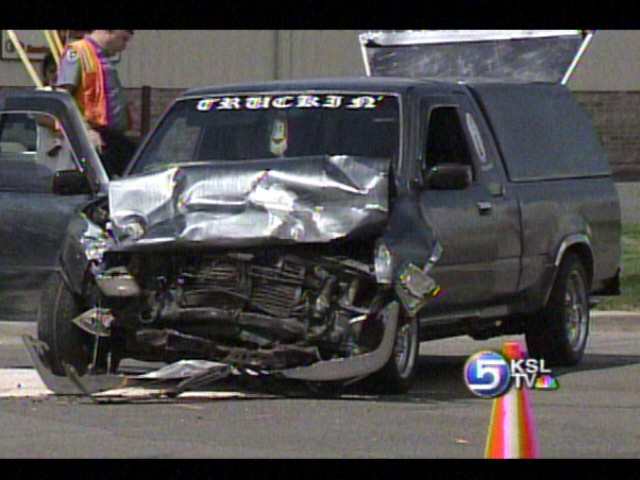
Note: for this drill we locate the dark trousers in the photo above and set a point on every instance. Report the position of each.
(117, 151)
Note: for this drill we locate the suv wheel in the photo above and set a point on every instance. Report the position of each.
(558, 333)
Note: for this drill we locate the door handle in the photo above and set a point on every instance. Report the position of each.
(484, 207)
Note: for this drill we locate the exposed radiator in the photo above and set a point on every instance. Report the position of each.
(273, 289)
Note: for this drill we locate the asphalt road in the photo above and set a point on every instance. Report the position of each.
(593, 414)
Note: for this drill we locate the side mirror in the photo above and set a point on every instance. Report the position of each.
(449, 176)
(71, 182)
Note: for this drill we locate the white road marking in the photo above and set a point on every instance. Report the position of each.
(21, 382)
(25, 382)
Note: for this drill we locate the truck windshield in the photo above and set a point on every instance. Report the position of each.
(246, 127)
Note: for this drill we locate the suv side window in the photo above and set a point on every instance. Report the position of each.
(444, 140)
(32, 149)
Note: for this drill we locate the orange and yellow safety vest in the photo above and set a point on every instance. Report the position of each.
(91, 96)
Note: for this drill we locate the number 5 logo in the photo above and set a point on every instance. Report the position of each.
(486, 367)
(487, 374)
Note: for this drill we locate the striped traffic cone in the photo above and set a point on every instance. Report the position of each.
(511, 431)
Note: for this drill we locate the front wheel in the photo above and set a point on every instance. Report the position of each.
(67, 342)
(396, 377)
(558, 333)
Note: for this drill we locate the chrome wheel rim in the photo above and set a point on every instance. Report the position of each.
(405, 348)
(576, 311)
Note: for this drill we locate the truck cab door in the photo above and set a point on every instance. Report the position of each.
(41, 133)
(506, 268)
(466, 218)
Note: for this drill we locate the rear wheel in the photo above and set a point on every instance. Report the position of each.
(558, 333)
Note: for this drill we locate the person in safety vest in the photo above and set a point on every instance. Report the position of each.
(87, 72)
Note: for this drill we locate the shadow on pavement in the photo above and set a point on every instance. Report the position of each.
(592, 362)
(439, 378)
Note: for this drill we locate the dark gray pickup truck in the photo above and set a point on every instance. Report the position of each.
(313, 231)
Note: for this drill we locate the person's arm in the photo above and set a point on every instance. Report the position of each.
(69, 71)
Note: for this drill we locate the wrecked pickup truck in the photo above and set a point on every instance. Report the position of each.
(319, 230)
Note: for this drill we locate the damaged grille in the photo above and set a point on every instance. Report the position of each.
(273, 289)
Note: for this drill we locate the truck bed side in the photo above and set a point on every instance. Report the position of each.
(558, 170)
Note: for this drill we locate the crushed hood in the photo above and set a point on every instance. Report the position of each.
(304, 199)
(475, 55)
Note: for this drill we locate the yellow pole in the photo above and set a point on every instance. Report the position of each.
(24, 58)
(58, 42)
(52, 46)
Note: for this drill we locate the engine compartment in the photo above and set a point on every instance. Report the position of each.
(271, 308)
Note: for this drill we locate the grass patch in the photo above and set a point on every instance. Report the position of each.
(630, 276)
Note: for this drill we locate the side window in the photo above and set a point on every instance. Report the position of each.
(445, 140)
(32, 149)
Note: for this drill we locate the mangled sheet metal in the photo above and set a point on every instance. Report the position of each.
(305, 199)
(475, 55)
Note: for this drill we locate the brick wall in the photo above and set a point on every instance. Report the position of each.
(161, 98)
(615, 115)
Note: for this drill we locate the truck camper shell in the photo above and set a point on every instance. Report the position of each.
(548, 56)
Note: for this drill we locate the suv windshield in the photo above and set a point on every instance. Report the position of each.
(246, 127)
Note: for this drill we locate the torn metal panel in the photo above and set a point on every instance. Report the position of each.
(182, 369)
(413, 288)
(197, 373)
(305, 199)
(475, 55)
(356, 366)
(39, 353)
(96, 321)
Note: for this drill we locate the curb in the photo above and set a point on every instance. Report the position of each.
(11, 332)
(615, 320)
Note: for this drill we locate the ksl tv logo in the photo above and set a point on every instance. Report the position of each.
(490, 374)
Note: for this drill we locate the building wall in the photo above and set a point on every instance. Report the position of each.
(186, 58)
(607, 81)
(615, 116)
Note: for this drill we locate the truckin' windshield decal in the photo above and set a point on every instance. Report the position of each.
(282, 102)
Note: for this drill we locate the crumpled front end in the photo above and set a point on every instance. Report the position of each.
(264, 310)
(274, 271)
(305, 199)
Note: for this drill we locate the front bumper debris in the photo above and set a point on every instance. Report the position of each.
(186, 375)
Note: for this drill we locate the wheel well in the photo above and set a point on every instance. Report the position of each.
(583, 252)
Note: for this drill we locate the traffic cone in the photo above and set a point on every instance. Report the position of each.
(511, 430)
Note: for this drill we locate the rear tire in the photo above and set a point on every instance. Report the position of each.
(558, 333)
(67, 342)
